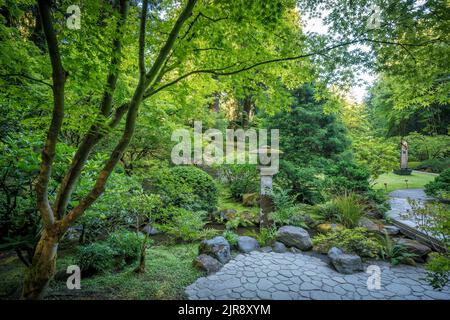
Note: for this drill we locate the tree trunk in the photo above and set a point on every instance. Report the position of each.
(42, 267)
(141, 267)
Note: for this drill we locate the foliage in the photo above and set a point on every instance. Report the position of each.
(294, 215)
(95, 258)
(433, 218)
(426, 147)
(305, 183)
(438, 270)
(241, 178)
(266, 236)
(126, 246)
(440, 187)
(434, 165)
(357, 241)
(239, 220)
(394, 252)
(186, 187)
(345, 176)
(186, 225)
(348, 209)
(231, 237)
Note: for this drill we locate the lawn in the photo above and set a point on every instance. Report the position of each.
(415, 181)
(168, 271)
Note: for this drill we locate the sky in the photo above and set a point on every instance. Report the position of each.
(357, 92)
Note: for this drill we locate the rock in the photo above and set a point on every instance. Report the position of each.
(217, 247)
(266, 249)
(151, 231)
(279, 247)
(415, 247)
(345, 263)
(227, 214)
(369, 224)
(250, 199)
(294, 237)
(247, 244)
(207, 263)
(391, 230)
(295, 250)
(327, 227)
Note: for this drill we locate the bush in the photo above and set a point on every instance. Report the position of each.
(126, 246)
(440, 187)
(95, 258)
(347, 176)
(186, 225)
(242, 179)
(294, 216)
(348, 210)
(394, 252)
(186, 187)
(305, 183)
(438, 270)
(357, 241)
(434, 165)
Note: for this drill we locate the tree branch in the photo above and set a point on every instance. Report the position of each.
(48, 153)
(94, 134)
(25, 76)
(217, 72)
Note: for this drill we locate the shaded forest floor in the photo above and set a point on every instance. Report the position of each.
(168, 271)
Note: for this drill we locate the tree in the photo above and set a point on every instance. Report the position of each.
(194, 40)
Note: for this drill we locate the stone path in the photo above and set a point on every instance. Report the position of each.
(290, 276)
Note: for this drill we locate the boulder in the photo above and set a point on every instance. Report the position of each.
(327, 227)
(151, 231)
(279, 247)
(345, 263)
(250, 199)
(415, 247)
(217, 247)
(369, 224)
(247, 244)
(391, 230)
(294, 237)
(266, 249)
(207, 263)
(227, 214)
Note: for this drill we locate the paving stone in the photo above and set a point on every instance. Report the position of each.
(287, 276)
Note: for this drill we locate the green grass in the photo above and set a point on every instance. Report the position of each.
(226, 201)
(168, 271)
(415, 181)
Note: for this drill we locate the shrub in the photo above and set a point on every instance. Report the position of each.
(266, 236)
(440, 187)
(357, 241)
(95, 258)
(434, 165)
(438, 270)
(242, 179)
(325, 211)
(294, 215)
(394, 252)
(187, 187)
(186, 225)
(348, 210)
(126, 246)
(305, 183)
(231, 237)
(347, 176)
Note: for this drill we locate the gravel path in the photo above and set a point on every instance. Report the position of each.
(289, 276)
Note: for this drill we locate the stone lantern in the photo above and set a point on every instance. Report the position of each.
(267, 171)
(404, 170)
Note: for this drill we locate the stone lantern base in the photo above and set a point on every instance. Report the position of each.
(403, 171)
